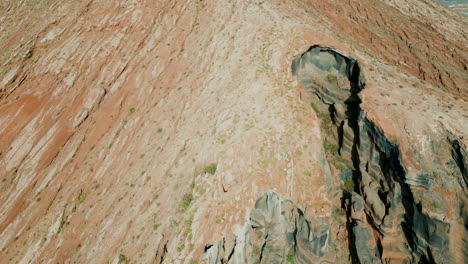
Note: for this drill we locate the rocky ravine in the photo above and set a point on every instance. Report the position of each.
(146, 131)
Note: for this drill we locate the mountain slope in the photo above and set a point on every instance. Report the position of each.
(145, 131)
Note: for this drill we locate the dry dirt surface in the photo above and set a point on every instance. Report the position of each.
(143, 131)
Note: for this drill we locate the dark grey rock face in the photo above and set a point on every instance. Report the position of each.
(385, 223)
(277, 232)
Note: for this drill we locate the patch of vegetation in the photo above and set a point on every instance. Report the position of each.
(290, 256)
(122, 259)
(186, 201)
(331, 78)
(334, 157)
(348, 185)
(179, 249)
(331, 148)
(132, 110)
(314, 106)
(81, 199)
(326, 121)
(211, 169)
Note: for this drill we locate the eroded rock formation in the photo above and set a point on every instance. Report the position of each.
(387, 223)
(277, 232)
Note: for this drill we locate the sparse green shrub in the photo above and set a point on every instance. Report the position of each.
(179, 249)
(211, 169)
(186, 201)
(122, 259)
(326, 121)
(314, 106)
(348, 185)
(331, 78)
(331, 148)
(81, 199)
(132, 110)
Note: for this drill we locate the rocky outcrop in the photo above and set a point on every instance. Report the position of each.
(277, 232)
(386, 222)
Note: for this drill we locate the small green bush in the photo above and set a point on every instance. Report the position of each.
(348, 185)
(122, 258)
(314, 106)
(186, 201)
(211, 169)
